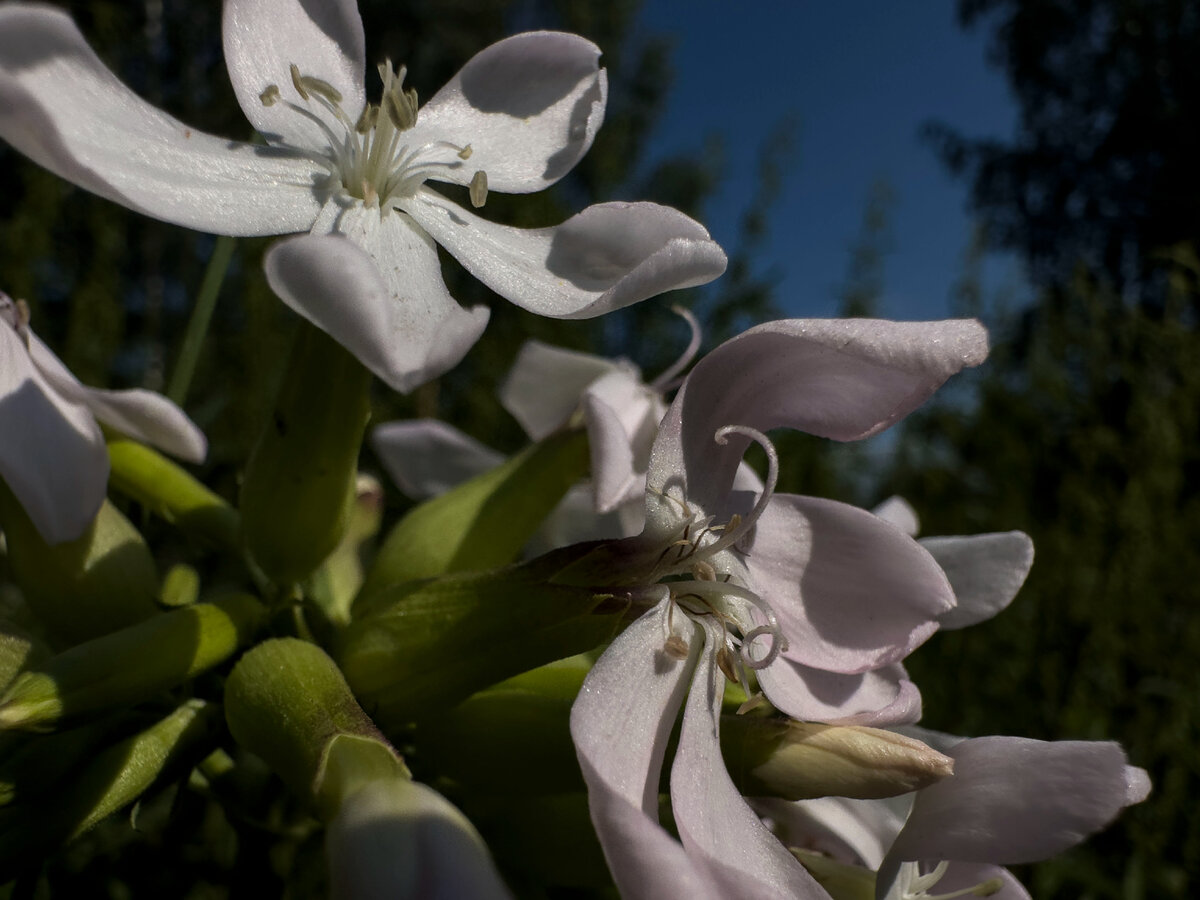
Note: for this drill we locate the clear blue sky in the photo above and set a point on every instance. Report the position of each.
(861, 77)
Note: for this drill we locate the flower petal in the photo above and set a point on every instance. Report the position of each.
(528, 106)
(575, 520)
(1015, 800)
(142, 415)
(60, 106)
(961, 876)
(376, 288)
(426, 457)
(543, 388)
(263, 38)
(883, 697)
(900, 513)
(607, 257)
(844, 379)
(854, 832)
(622, 418)
(621, 723)
(851, 591)
(395, 839)
(52, 454)
(985, 570)
(717, 827)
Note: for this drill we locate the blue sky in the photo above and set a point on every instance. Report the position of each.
(861, 76)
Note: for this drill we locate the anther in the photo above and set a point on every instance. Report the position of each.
(367, 119)
(269, 95)
(321, 88)
(725, 662)
(298, 81)
(675, 647)
(479, 189)
(465, 152)
(704, 571)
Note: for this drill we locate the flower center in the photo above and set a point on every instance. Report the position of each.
(700, 590)
(370, 158)
(915, 886)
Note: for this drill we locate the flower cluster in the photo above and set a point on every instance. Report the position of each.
(692, 598)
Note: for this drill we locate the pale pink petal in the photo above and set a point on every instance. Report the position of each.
(717, 827)
(528, 106)
(607, 257)
(883, 697)
(264, 38)
(60, 106)
(1015, 800)
(575, 520)
(900, 513)
(399, 840)
(962, 875)
(544, 385)
(985, 570)
(426, 457)
(854, 832)
(377, 289)
(843, 379)
(142, 415)
(851, 591)
(52, 454)
(622, 418)
(621, 723)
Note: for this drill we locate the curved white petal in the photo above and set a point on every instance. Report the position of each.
(844, 379)
(399, 840)
(883, 697)
(322, 38)
(143, 415)
(575, 520)
(52, 454)
(622, 417)
(851, 591)
(607, 257)
(985, 570)
(717, 827)
(376, 288)
(426, 457)
(545, 383)
(1015, 800)
(60, 106)
(900, 513)
(854, 832)
(620, 724)
(528, 106)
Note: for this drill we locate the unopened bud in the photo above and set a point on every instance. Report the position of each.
(840, 880)
(801, 761)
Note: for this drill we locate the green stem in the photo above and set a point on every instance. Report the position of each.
(202, 312)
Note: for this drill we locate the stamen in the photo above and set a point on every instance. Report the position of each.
(718, 590)
(367, 119)
(738, 530)
(919, 885)
(269, 95)
(321, 88)
(298, 81)
(479, 189)
(725, 661)
(663, 382)
(465, 152)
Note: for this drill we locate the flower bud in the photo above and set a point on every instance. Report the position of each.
(299, 484)
(102, 581)
(423, 645)
(801, 761)
(131, 665)
(287, 702)
(484, 522)
(840, 880)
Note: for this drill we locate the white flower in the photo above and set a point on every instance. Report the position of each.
(522, 112)
(52, 454)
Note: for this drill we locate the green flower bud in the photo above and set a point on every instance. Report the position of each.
(102, 581)
(335, 584)
(287, 702)
(771, 757)
(512, 739)
(425, 645)
(482, 523)
(131, 665)
(167, 490)
(299, 484)
(840, 881)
